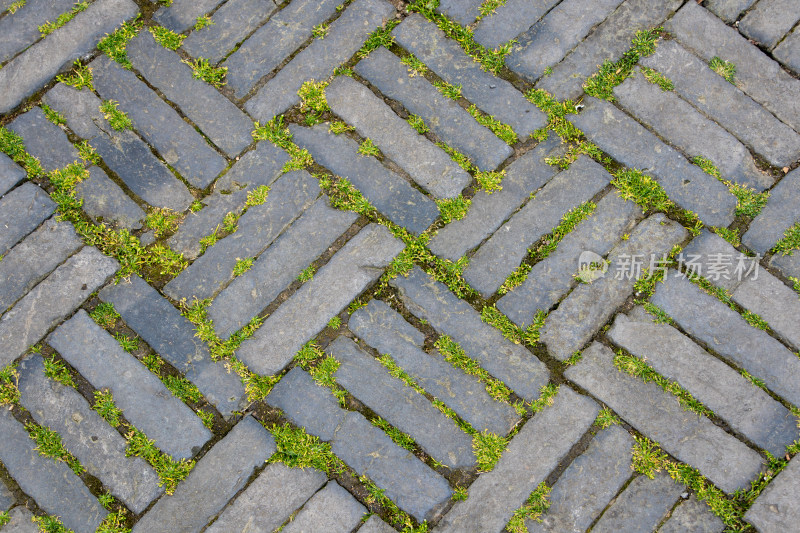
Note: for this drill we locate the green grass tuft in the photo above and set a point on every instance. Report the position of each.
(451, 209)
(298, 449)
(53, 116)
(13, 8)
(49, 27)
(114, 44)
(242, 266)
(415, 66)
(418, 124)
(203, 70)
(170, 472)
(535, 506)
(606, 418)
(640, 188)
(167, 38)
(450, 91)
(338, 127)
(116, 118)
(490, 180)
(380, 37)
(488, 449)
(57, 371)
(789, 242)
(162, 221)
(503, 131)
(105, 407)
(203, 21)
(368, 148)
(601, 84)
(80, 77)
(726, 69)
(656, 78)
(48, 444)
(9, 385)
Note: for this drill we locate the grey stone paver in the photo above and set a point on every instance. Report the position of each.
(21, 212)
(449, 121)
(44, 140)
(788, 51)
(227, 466)
(509, 20)
(492, 95)
(497, 258)
(641, 506)
(173, 337)
(320, 58)
(20, 521)
(359, 263)
(6, 498)
(536, 450)
(788, 265)
(692, 515)
(270, 499)
(376, 525)
(728, 10)
(51, 300)
(331, 509)
(780, 213)
(56, 489)
(634, 146)
(10, 174)
(462, 11)
(775, 509)
(690, 438)
(105, 201)
(426, 163)
(769, 20)
(138, 393)
(20, 30)
(384, 329)
(181, 15)
(432, 301)
(27, 72)
(98, 446)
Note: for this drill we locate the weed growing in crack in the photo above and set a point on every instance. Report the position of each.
(503, 131)
(535, 506)
(415, 66)
(9, 385)
(162, 221)
(80, 77)
(450, 91)
(49, 27)
(203, 21)
(57, 371)
(380, 37)
(242, 266)
(114, 45)
(202, 69)
(601, 84)
(48, 444)
(606, 418)
(451, 209)
(170, 472)
(789, 242)
(726, 69)
(53, 116)
(168, 38)
(298, 449)
(105, 407)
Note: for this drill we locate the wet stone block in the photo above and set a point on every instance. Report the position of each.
(21, 212)
(44, 140)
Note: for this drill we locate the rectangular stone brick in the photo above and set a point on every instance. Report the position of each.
(181, 15)
(788, 51)
(280, 264)
(497, 258)
(781, 212)
(105, 202)
(289, 196)
(488, 211)
(633, 145)
(226, 467)
(215, 115)
(331, 509)
(34, 258)
(695, 440)
(143, 399)
(432, 301)
(462, 11)
(542, 443)
(161, 126)
(709, 248)
(589, 306)
(788, 265)
(351, 270)
(270, 499)
(609, 41)
(426, 163)
(231, 24)
(728, 10)
(54, 487)
(384, 329)
(746, 408)
(547, 41)
(10, 174)
(20, 521)
(44, 140)
(98, 446)
(273, 42)
(21, 212)
(6, 498)
(400, 405)
(173, 337)
(693, 133)
(769, 21)
(51, 300)
(389, 192)
(318, 61)
(756, 73)
(509, 20)
(642, 505)
(407, 481)
(29, 71)
(376, 525)
(446, 58)
(553, 277)
(775, 509)
(692, 515)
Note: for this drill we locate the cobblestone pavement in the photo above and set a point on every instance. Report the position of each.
(374, 266)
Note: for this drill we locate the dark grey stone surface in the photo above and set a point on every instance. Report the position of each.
(551, 278)
(20, 521)
(143, 399)
(274, 41)
(6, 498)
(488, 211)
(773, 301)
(536, 450)
(51, 300)
(400, 405)
(547, 41)
(692, 133)
(34, 258)
(446, 58)
(289, 196)
(426, 163)
(26, 73)
(376, 525)
(728, 10)
(608, 41)
(588, 484)
(788, 265)
(769, 20)
(173, 337)
(54, 487)
(733, 110)
(386, 331)
(746, 408)
(432, 301)
(359, 263)
(788, 51)
(21, 29)
(227, 467)
(44, 140)
(105, 201)
(633, 145)
(462, 11)
(280, 264)
(161, 126)
(270, 499)
(215, 115)
(21, 212)
(692, 515)
(509, 20)
(775, 510)
(182, 14)
(10, 174)
(389, 192)
(318, 61)
(781, 212)
(231, 23)
(708, 249)
(331, 509)
(98, 446)
(695, 440)
(445, 118)
(641, 506)
(497, 258)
